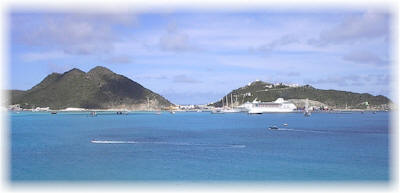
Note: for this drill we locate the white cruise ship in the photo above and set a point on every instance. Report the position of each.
(277, 106)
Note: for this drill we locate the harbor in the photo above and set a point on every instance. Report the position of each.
(280, 105)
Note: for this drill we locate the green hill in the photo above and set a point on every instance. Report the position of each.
(333, 98)
(99, 88)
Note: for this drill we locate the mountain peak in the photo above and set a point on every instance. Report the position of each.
(100, 70)
(100, 88)
(258, 82)
(70, 73)
(74, 70)
(54, 74)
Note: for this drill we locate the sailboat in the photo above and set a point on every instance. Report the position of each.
(230, 109)
(307, 113)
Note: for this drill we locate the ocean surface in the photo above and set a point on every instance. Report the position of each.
(199, 146)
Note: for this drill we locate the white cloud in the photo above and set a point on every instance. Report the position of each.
(364, 57)
(59, 68)
(121, 59)
(279, 42)
(352, 80)
(355, 28)
(41, 56)
(182, 78)
(175, 41)
(80, 34)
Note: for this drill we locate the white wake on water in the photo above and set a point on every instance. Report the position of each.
(112, 142)
(299, 130)
(168, 143)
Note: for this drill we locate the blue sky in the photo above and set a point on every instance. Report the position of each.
(198, 57)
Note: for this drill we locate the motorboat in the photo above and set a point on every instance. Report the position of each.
(273, 128)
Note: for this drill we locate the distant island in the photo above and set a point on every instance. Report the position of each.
(100, 88)
(332, 99)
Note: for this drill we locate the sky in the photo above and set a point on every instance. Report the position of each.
(196, 57)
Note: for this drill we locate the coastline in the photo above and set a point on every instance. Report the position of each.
(190, 110)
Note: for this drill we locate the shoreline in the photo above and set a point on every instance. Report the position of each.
(194, 110)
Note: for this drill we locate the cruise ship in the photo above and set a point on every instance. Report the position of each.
(277, 106)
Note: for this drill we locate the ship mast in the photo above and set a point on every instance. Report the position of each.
(148, 104)
(306, 106)
(231, 101)
(227, 103)
(236, 102)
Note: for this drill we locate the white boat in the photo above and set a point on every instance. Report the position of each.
(93, 113)
(217, 111)
(277, 106)
(231, 110)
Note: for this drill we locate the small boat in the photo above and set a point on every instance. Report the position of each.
(374, 112)
(93, 113)
(273, 128)
(172, 112)
(217, 111)
(230, 110)
(53, 112)
(285, 124)
(158, 113)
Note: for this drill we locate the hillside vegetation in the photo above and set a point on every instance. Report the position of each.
(263, 91)
(99, 88)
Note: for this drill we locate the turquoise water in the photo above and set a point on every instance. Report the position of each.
(196, 146)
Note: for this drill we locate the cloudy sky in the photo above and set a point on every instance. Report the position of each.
(198, 57)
